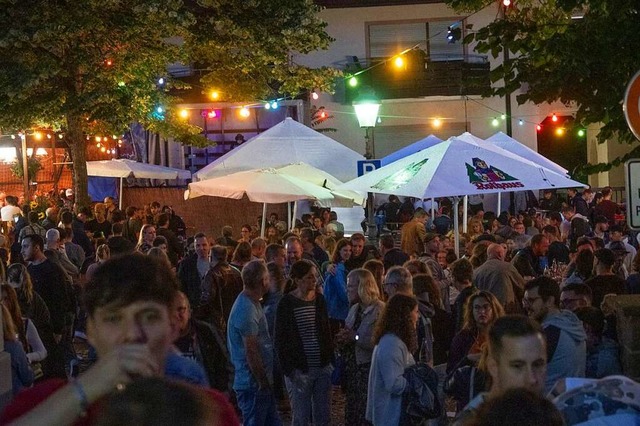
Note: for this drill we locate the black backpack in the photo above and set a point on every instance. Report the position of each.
(420, 399)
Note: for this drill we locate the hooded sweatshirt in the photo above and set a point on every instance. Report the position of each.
(566, 347)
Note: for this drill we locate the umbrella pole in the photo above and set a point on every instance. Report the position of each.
(465, 210)
(432, 210)
(456, 225)
(264, 219)
(120, 194)
(293, 216)
(499, 203)
(289, 214)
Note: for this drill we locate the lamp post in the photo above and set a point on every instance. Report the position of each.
(366, 106)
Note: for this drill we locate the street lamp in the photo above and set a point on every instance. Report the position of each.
(367, 106)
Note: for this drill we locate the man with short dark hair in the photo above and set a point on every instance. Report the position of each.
(192, 272)
(48, 281)
(529, 260)
(204, 344)
(566, 339)
(558, 252)
(517, 358)
(175, 247)
(577, 202)
(414, 233)
(251, 349)
(606, 207)
(222, 285)
(616, 235)
(574, 296)
(360, 252)
(575, 225)
(117, 243)
(79, 234)
(32, 228)
(307, 238)
(462, 275)
(133, 225)
(128, 303)
(606, 281)
(277, 254)
(391, 255)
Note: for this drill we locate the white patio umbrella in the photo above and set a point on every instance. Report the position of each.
(512, 145)
(455, 168)
(123, 168)
(292, 182)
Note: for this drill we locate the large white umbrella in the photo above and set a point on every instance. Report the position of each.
(509, 144)
(455, 167)
(292, 182)
(123, 168)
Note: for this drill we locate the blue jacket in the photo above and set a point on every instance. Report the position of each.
(566, 347)
(335, 293)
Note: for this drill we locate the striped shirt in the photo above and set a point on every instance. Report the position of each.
(305, 315)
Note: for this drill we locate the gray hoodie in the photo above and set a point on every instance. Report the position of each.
(566, 347)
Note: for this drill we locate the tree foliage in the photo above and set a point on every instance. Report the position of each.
(579, 52)
(92, 67)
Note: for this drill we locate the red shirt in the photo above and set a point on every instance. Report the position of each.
(29, 398)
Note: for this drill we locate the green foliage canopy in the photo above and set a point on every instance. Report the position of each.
(92, 67)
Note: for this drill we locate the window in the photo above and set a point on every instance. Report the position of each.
(390, 38)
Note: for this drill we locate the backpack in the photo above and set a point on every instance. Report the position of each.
(420, 400)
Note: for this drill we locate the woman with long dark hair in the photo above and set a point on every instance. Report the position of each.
(395, 340)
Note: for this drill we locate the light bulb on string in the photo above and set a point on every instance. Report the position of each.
(244, 112)
(538, 127)
(267, 105)
(314, 95)
(215, 95)
(184, 113)
(398, 62)
(159, 110)
(495, 122)
(560, 131)
(323, 115)
(581, 133)
(60, 136)
(379, 120)
(521, 122)
(38, 136)
(554, 117)
(353, 82)
(436, 122)
(274, 105)
(98, 139)
(503, 117)
(161, 81)
(103, 149)
(48, 135)
(506, 3)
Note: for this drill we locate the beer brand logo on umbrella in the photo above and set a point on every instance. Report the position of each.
(401, 177)
(484, 176)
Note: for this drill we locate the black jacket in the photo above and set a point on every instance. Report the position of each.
(288, 342)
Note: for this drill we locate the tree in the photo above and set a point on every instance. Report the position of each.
(93, 67)
(580, 52)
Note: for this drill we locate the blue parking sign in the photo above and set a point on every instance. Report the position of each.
(366, 166)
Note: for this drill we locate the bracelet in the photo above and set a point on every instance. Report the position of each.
(82, 397)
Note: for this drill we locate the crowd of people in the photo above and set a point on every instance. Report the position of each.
(210, 330)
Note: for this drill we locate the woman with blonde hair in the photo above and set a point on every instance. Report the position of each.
(480, 312)
(376, 267)
(356, 341)
(145, 240)
(475, 228)
(103, 253)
